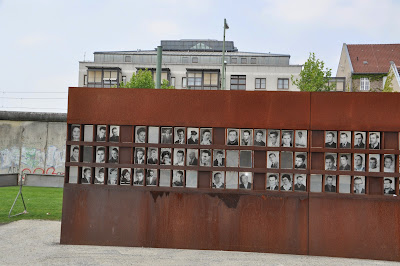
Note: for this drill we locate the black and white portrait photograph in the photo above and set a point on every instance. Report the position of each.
(374, 140)
(301, 139)
(192, 158)
(273, 159)
(388, 186)
(74, 153)
(125, 176)
(300, 182)
(178, 178)
(245, 180)
(88, 154)
(206, 136)
(287, 138)
(75, 132)
(344, 184)
(246, 137)
(273, 181)
(232, 158)
(140, 134)
(300, 160)
(286, 182)
(273, 138)
(331, 161)
(88, 133)
(179, 135)
(345, 162)
(138, 176)
(140, 155)
(374, 164)
(359, 162)
(179, 157)
(388, 163)
(151, 177)
(331, 139)
(345, 139)
(246, 159)
(101, 133)
(166, 135)
(205, 157)
(191, 179)
(165, 178)
(359, 184)
(114, 134)
(232, 136)
(286, 160)
(218, 179)
(154, 135)
(100, 154)
(315, 183)
(219, 158)
(260, 137)
(359, 139)
(113, 155)
(193, 135)
(330, 183)
(165, 157)
(231, 180)
(152, 155)
(99, 175)
(86, 175)
(112, 176)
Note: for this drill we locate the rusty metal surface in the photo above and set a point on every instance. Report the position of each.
(354, 227)
(133, 216)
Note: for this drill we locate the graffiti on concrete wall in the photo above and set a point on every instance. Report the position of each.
(9, 160)
(55, 160)
(32, 158)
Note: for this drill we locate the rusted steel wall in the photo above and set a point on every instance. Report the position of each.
(346, 225)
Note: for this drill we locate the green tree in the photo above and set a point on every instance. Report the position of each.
(388, 83)
(313, 77)
(165, 85)
(142, 79)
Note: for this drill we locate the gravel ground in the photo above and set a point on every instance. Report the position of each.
(34, 242)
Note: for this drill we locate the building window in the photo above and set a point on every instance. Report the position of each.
(364, 84)
(84, 79)
(260, 83)
(128, 58)
(195, 60)
(243, 60)
(253, 60)
(195, 80)
(103, 78)
(185, 60)
(184, 82)
(172, 82)
(94, 78)
(234, 60)
(210, 81)
(110, 78)
(283, 84)
(238, 82)
(124, 79)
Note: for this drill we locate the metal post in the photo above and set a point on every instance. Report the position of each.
(158, 69)
(223, 57)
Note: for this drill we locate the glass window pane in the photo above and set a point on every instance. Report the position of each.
(207, 78)
(114, 75)
(214, 79)
(97, 76)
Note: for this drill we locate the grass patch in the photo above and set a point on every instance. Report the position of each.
(41, 203)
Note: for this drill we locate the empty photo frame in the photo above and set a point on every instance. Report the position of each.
(331, 139)
(193, 135)
(232, 158)
(260, 137)
(87, 154)
(359, 139)
(232, 180)
(140, 134)
(330, 183)
(345, 139)
(191, 179)
(344, 184)
(113, 155)
(101, 133)
(218, 179)
(374, 163)
(287, 160)
(125, 176)
(246, 159)
(315, 183)
(179, 135)
(151, 177)
(74, 153)
(246, 137)
(273, 138)
(154, 135)
(165, 178)
(165, 156)
(286, 182)
(73, 174)
(287, 138)
(273, 159)
(301, 138)
(166, 135)
(75, 132)
(388, 186)
(114, 134)
(374, 140)
(300, 182)
(99, 175)
(388, 163)
(359, 185)
(178, 178)
(88, 133)
(138, 177)
(359, 162)
(86, 175)
(232, 136)
(112, 176)
(245, 180)
(273, 181)
(206, 136)
(192, 158)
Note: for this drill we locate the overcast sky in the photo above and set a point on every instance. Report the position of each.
(42, 41)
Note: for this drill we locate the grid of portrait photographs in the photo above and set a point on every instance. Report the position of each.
(232, 158)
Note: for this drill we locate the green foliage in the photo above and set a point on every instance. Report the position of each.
(313, 77)
(165, 85)
(41, 203)
(143, 79)
(371, 77)
(388, 83)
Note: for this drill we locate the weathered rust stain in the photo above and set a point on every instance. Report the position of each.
(156, 194)
(230, 200)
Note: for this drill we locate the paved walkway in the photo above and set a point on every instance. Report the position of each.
(33, 242)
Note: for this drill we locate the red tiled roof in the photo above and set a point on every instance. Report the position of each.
(378, 57)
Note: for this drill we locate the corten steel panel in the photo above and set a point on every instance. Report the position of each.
(130, 216)
(372, 111)
(120, 106)
(354, 227)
